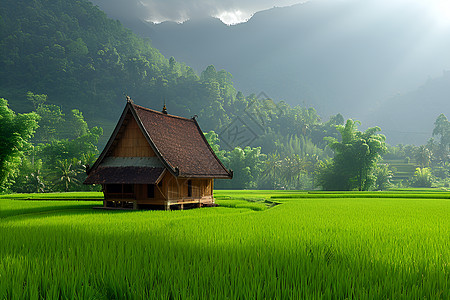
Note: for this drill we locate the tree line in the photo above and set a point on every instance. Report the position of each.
(45, 150)
(49, 150)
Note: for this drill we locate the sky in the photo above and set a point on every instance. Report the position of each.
(229, 11)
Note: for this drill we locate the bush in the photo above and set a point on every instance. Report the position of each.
(422, 178)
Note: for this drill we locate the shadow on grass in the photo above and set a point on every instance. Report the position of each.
(44, 210)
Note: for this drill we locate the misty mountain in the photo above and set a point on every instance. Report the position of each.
(70, 51)
(337, 56)
(410, 117)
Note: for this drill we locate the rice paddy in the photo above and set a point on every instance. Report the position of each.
(390, 245)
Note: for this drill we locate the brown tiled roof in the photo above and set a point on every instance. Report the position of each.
(181, 144)
(124, 175)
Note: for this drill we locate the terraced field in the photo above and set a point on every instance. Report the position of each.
(402, 170)
(256, 244)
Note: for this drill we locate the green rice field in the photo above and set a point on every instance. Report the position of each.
(255, 245)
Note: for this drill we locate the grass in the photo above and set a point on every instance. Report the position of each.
(331, 246)
(55, 196)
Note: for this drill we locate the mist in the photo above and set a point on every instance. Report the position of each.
(358, 58)
(228, 11)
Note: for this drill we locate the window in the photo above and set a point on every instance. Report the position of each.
(189, 188)
(150, 191)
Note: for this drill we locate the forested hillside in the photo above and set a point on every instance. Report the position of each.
(72, 52)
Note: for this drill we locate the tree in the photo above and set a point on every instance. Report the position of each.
(383, 175)
(213, 141)
(271, 173)
(29, 178)
(293, 167)
(355, 159)
(423, 156)
(422, 178)
(50, 123)
(37, 100)
(66, 172)
(442, 129)
(15, 132)
(312, 166)
(247, 166)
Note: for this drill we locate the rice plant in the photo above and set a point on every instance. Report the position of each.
(306, 247)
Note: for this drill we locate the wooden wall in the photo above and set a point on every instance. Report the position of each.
(173, 191)
(132, 142)
(173, 188)
(200, 188)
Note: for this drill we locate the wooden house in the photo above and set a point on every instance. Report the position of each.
(156, 159)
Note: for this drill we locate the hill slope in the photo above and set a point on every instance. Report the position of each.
(409, 117)
(71, 51)
(338, 56)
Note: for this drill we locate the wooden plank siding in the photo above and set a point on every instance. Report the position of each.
(132, 143)
(171, 191)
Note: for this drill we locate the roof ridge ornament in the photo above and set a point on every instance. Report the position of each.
(129, 100)
(164, 110)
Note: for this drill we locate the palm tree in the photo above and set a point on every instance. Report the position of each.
(66, 174)
(272, 169)
(311, 165)
(288, 170)
(35, 183)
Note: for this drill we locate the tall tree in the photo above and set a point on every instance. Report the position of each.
(355, 159)
(15, 133)
(442, 129)
(423, 156)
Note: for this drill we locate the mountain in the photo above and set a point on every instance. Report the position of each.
(72, 52)
(343, 56)
(409, 117)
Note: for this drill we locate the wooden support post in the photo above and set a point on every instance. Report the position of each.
(135, 205)
(182, 206)
(167, 206)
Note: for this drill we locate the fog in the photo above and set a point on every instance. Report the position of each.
(229, 11)
(368, 60)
